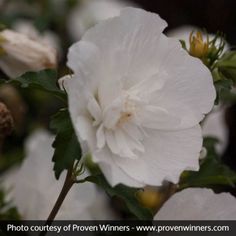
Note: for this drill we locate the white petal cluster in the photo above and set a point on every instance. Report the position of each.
(198, 204)
(136, 99)
(90, 12)
(34, 189)
(20, 54)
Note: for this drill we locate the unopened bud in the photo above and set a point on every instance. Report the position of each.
(198, 47)
(6, 121)
(150, 198)
(20, 54)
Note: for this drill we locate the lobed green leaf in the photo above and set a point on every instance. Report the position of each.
(66, 145)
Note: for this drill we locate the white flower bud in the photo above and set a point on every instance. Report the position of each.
(21, 54)
(48, 38)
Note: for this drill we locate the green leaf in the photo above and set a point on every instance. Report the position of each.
(183, 44)
(67, 147)
(224, 75)
(223, 87)
(227, 65)
(212, 174)
(45, 80)
(127, 194)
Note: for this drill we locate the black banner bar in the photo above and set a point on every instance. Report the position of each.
(100, 228)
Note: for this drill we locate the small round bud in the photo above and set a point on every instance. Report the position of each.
(150, 198)
(6, 120)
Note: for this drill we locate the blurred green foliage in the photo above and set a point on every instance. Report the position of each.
(213, 173)
(7, 211)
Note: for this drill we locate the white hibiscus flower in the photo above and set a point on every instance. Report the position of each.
(48, 37)
(90, 12)
(198, 204)
(136, 98)
(20, 54)
(34, 189)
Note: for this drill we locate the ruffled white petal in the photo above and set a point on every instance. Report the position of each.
(112, 172)
(167, 155)
(85, 131)
(78, 104)
(198, 204)
(84, 59)
(128, 47)
(188, 91)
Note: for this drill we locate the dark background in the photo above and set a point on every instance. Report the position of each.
(213, 15)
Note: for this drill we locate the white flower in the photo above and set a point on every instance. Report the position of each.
(198, 204)
(48, 37)
(21, 54)
(136, 98)
(34, 189)
(90, 12)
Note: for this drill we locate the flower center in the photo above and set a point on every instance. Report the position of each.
(125, 117)
(116, 126)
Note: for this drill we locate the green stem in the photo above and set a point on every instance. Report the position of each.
(69, 181)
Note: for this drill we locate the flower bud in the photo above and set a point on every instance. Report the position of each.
(150, 198)
(6, 121)
(198, 47)
(20, 54)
